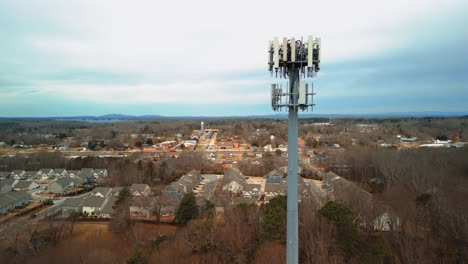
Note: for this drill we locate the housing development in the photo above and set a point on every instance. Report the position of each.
(166, 179)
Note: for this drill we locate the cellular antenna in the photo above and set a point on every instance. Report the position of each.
(293, 59)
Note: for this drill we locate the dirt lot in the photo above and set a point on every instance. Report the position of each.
(93, 242)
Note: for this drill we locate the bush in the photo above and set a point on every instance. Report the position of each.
(137, 258)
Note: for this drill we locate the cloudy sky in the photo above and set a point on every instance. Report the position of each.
(174, 58)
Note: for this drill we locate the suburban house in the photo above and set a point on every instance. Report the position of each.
(172, 190)
(87, 175)
(108, 208)
(303, 190)
(45, 173)
(73, 173)
(4, 175)
(63, 185)
(72, 205)
(251, 191)
(168, 205)
(102, 191)
(142, 206)
(140, 189)
(7, 185)
(93, 205)
(11, 200)
(234, 188)
(274, 176)
(344, 190)
(273, 189)
(189, 180)
(233, 181)
(115, 191)
(184, 184)
(25, 186)
(29, 175)
(100, 173)
(17, 174)
(58, 173)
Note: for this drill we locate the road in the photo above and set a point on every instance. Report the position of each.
(141, 153)
(26, 220)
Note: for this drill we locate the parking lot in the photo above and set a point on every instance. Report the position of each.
(207, 185)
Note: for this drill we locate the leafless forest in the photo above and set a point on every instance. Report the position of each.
(420, 191)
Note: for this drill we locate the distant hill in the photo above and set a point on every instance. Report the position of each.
(122, 117)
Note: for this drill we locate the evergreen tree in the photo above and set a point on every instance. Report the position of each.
(188, 208)
(274, 223)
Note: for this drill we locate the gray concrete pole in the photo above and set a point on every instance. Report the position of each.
(292, 238)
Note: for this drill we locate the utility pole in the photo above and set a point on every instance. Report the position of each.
(293, 59)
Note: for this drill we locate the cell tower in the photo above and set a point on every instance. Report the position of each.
(298, 61)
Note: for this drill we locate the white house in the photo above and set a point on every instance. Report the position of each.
(93, 205)
(140, 189)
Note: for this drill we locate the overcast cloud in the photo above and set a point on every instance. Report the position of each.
(209, 57)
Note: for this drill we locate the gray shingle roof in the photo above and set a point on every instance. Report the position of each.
(4, 174)
(100, 171)
(10, 182)
(46, 170)
(105, 191)
(251, 187)
(30, 174)
(74, 172)
(65, 181)
(274, 172)
(233, 174)
(116, 191)
(88, 172)
(140, 201)
(5, 200)
(73, 202)
(108, 206)
(23, 184)
(18, 195)
(94, 201)
(273, 187)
